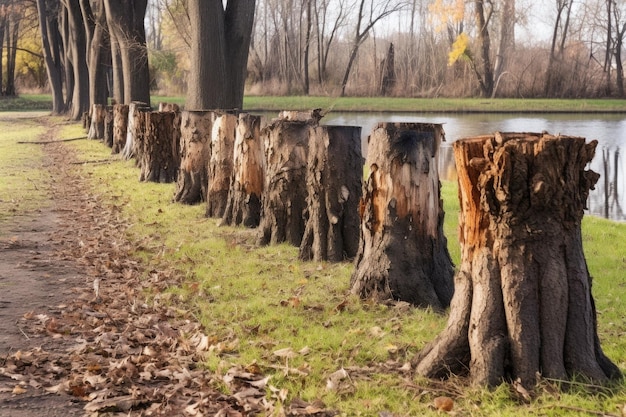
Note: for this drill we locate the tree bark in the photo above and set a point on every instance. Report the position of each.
(158, 158)
(99, 54)
(403, 252)
(195, 151)
(523, 305)
(108, 126)
(220, 164)
(51, 50)
(244, 197)
(220, 42)
(335, 168)
(120, 127)
(135, 131)
(284, 192)
(78, 53)
(96, 126)
(388, 72)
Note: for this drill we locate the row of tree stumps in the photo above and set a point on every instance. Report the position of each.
(521, 301)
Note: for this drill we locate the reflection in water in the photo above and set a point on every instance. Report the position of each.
(609, 197)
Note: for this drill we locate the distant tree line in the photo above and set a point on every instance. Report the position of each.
(95, 49)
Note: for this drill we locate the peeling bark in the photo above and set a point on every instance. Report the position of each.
(159, 163)
(523, 305)
(120, 127)
(220, 164)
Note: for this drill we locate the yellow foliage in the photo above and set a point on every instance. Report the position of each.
(460, 49)
(445, 12)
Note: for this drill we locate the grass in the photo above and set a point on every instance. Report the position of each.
(421, 105)
(261, 305)
(22, 188)
(26, 102)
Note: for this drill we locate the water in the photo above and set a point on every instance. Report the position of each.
(609, 197)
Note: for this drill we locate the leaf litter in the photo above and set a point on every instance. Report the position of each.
(125, 353)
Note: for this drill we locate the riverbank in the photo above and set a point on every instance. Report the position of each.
(376, 104)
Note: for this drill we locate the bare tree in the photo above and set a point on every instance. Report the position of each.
(52, 50)
(369, 13)
(559, 36)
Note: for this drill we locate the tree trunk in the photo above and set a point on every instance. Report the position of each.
(523, 305)
(96, 126)
(284, 191)
(244, 197)
(195, 151)
(220, 164)
(108, 126)
(134, 133)
(220, 43)
(78, 52)
(99, 54)
(388, 73)
(51, 50)
(335, 169)
(158, 159)
(120, 127)
(403, 253)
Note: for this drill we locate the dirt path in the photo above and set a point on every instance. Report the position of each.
(78, 336)
(33, 283)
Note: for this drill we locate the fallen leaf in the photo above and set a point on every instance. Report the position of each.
(332, 383)
(18, 390)
(285, 353)
(443, 403)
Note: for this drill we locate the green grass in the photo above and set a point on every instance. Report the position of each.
(255, 301)
(26, 102)
(22, 181)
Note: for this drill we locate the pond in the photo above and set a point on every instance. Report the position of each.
(609, 197)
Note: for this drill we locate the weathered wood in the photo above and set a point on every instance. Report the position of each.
(96, 126)
(286, 145)
(523, 305)
(120, 127)
(159, 163)
(135, 130)
(335, 169)
(195, 151)
(403, 252)
(220, 164)
(246, 188)
(108, 126)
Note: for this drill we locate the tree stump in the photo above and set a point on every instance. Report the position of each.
(220, 164)
(403, 253)
(120, 127)
(135, 130)
(195, 151)
(173, 107)
(246, 188)
(96, 126)
(158, 159)
(333, 182)
(286, 145)
(108, 126)
(523, 305)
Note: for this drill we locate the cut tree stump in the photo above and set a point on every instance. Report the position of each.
(286, 144)
(159, 163)
(333, 182)
(135, 130)
(403, 252)
(195, 151)
(108, 126)
(523, 306)
(120, 127)
(220, 164)
(96, 125)
(173, 107)
(246, 188)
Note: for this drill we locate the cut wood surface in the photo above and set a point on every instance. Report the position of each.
(246, 188)
(135, 130)
(334, 172)
(523, 306)
(403, 252)
(220, 164)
